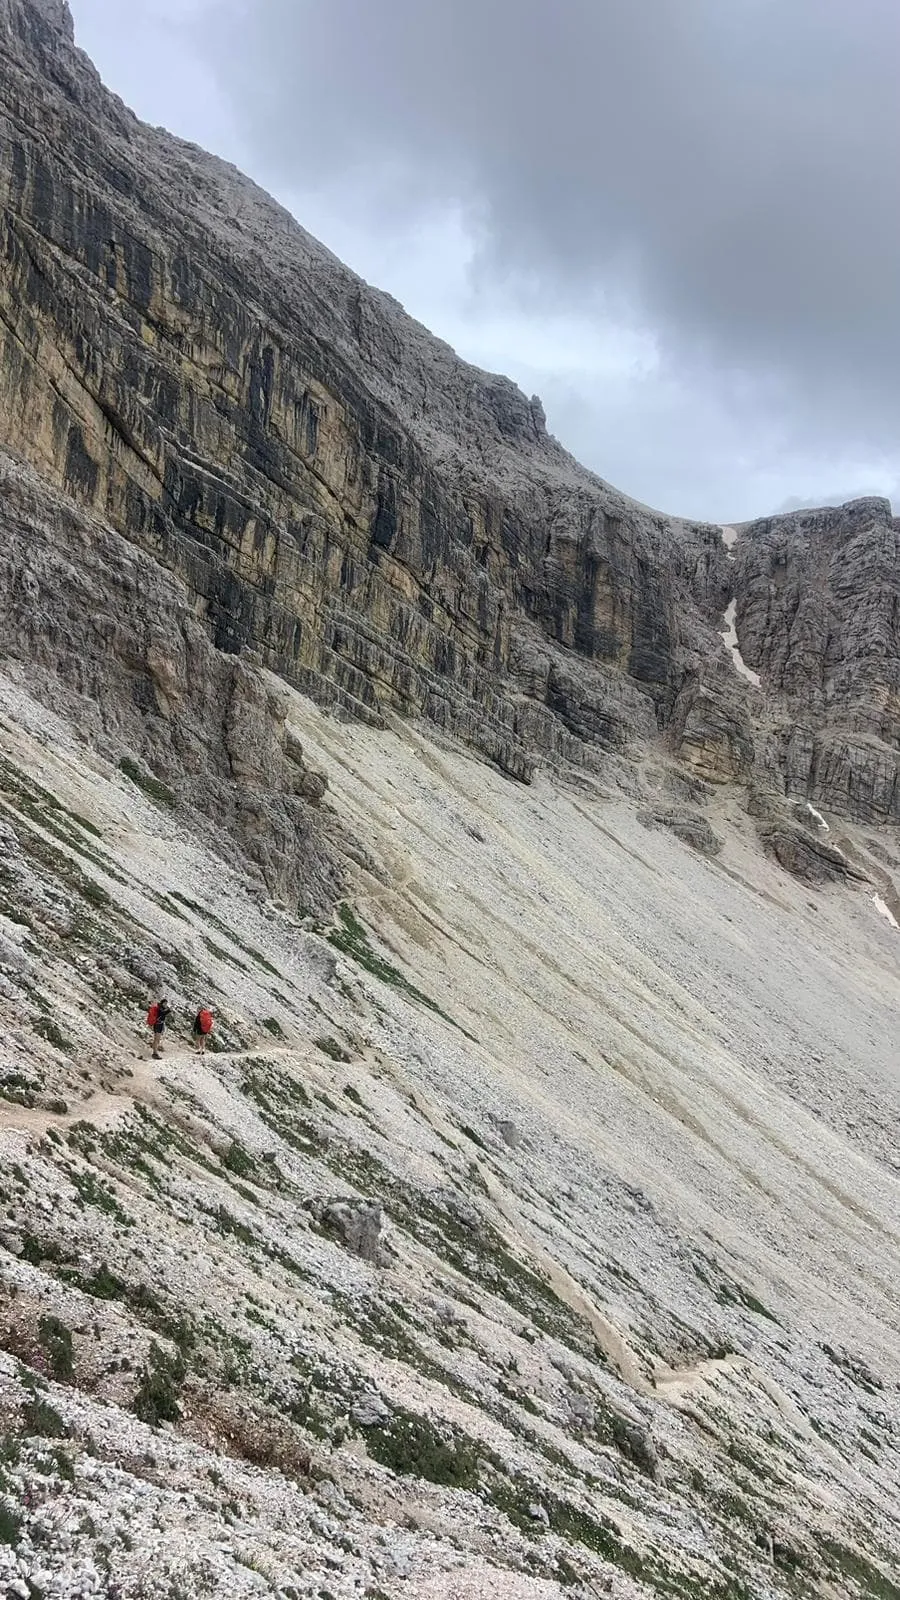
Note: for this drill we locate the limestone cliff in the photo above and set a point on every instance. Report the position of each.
(109, 639)
(348, 503)
(819, 617)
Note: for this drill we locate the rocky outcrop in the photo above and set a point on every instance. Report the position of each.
(357, 1224)
(350, 505)
(818, 615)
(807, 857)
(386, 526)
(687, 826)
(110, 639)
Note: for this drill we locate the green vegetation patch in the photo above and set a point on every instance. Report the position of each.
(46, 1028)
(18, 1090)
(41, 1420)
(333, 1049)
(10, 1526)
(147, 783)
(97, 1193)
(351, 938)
(852, 1564)
(159, 1383)
(466, 1241)
(416, 1447)
(56, 1342)
(727, 1291)
(241, 944)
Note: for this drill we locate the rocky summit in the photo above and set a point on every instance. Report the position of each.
(531, 1224)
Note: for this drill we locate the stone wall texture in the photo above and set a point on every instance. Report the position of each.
(348, 504)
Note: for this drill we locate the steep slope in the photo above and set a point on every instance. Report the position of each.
(513, 1241)
(382, 524)
(534, 1225)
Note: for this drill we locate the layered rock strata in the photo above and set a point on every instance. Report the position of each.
(383, 525)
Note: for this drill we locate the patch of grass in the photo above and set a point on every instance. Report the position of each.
(36, 1251)
(147, 783)
(228, 1224)
(17, 1090)
(331, 1048)
(353, 1094)
(41, 1420)
(59, 1462)
(466, 1241)
(183, 899)
(735, 1294)
(281, 1100)
(40, 800)
(273, 1026)
(98, 1194)
(518, 1397)
(241, 944)
(159, 1382)
(860, 1570)
(46, 1028)
(56, 1342)
(10, 1526)
(855, 1370)
(95, 894)
(414, 1447)
(389, 1328)
(225, 956)
(728, 1292)
(473, 1137)
(237, 1160)
(351, 938)
(103, 1284)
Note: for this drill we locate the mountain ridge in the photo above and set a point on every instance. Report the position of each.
(395, 530)
(530, 1227)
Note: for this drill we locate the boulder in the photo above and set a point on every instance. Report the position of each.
(355, 1223)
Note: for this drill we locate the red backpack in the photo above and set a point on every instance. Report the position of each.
(205, 1021)
(153, 1016)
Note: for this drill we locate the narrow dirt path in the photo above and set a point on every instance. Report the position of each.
(105, 1111)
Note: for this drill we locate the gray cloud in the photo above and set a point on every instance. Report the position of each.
(723, 174)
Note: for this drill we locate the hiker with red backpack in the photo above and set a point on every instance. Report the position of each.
(157, 1017)
(204, 1022)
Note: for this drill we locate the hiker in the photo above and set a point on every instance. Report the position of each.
(204, 1022)
(157, 1017)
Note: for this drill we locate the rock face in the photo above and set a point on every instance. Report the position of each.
(355, 508)
(110, 638)
(819, 619)
(387, 526)
(687, 826)
(356, 1223)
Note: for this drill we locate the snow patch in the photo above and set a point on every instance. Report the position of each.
(811, 811)
(730, 640)
(884, 908)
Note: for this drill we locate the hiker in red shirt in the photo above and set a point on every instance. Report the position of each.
(204, 1022)
(157, 1017)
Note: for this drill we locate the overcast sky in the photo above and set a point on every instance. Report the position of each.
(675, 220)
